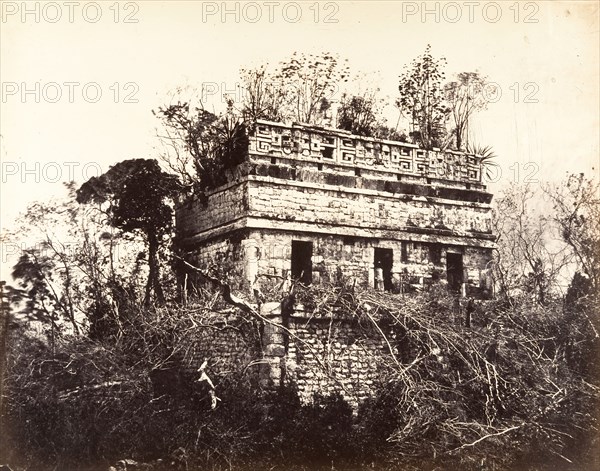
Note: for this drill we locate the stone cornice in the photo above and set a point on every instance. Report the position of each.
(407, 233)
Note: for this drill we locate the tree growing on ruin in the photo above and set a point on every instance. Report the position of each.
(422, 100)
(358, 114)
(465, 96)
(361, 114)
(301, 88)
(264, 95)
(312, 80)
(199, 145)
(188, 135)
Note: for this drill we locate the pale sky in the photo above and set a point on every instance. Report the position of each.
(57, 56)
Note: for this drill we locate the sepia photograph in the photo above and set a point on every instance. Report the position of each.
(300, 235)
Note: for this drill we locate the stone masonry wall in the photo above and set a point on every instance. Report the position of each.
(223, 206)
(261, 256)
(223, 257)
(352, 258)
(325, 355)
(312, 355)
(229, 345)
(314, 204)
(348, 196)
(265, 198)
(335, 356)
(228, 342)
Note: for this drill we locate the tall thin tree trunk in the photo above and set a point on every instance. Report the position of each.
(153, 283)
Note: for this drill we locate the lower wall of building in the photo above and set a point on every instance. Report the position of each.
(259, 257)
(415, 264)
(330, 356)
(228, 346)
(229, 343)
(312, 355)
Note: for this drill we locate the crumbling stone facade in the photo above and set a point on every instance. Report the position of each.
(323, 354)
(318, 204)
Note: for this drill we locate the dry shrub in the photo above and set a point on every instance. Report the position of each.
(501, 394)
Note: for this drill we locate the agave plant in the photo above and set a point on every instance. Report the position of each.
(486, 154)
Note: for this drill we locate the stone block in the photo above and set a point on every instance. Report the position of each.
(275, 350)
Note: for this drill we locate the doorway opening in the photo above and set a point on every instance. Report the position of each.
(454, 271)
(302, 261)
(383, 268)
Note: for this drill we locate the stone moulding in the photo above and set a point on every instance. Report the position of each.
(334, 146)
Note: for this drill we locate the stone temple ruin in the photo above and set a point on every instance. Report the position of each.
(315, 204)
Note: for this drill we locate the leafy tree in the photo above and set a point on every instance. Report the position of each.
(201, 145)
(465, 96)
(533, 262)
(311, 80)
(300, 88)
(39, 295)
(581, 327)
(189, 136)
(46, 272)
(389, 133)
(138, 193)
(577, 213)
(264, 95)
(359, 114)
(74, 268)
(422, 99)
(529, 259)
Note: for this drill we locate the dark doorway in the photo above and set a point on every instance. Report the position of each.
(454, 270)
(383, 261)
(302, 261)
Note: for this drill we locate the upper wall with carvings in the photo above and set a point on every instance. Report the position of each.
(305, 143)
